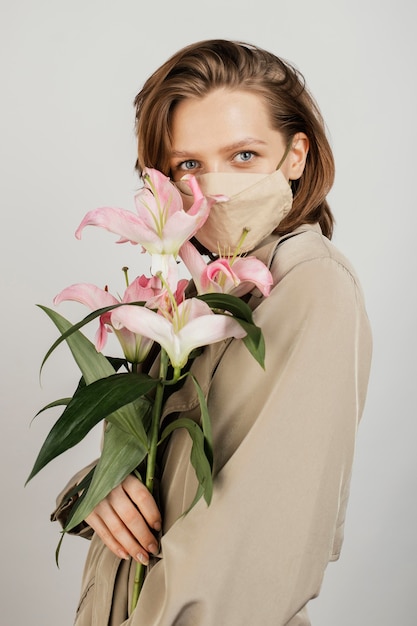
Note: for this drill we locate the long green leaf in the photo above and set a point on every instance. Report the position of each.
(254, 340)
(205, 422)
(51, 405)
(198, 456)
(67, 329)
(121, 454)
(88, 407)
(135, 420)
(81, 490)
(92, 364)
(81, 487)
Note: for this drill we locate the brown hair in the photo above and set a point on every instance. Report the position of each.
(201, 67)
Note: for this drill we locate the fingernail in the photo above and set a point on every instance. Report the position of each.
(123, 555)
(142, 558)
(157, 526)
(153, 548)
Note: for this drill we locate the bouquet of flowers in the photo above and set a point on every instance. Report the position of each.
(155, 320)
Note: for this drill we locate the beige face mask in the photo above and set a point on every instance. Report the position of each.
(257, 204)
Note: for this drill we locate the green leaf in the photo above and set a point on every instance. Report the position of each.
(92, 364)
(224, 301)
(198, 494)
(198, 457)
(117, 363)
(81, 489)
(89, 405)
(135, 420)
(205, 422)
(60, 402)
(67, 329)
(58, 548)
(121, 454)
(254, 340)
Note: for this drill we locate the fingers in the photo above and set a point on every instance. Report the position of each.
(122, 527)
(144, 501)
(113, 533)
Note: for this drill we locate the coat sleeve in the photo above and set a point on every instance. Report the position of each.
(284, 440)
(66, 500)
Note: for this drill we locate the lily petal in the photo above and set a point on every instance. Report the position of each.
(194, 325)
(226, 275)
(194, 262)
(90, 295)
(219, 276)
(251, 271)
(94, 298)
(199, 198)
(142, 289)
(135, 347)
(165, 191)
(205, 330)
(143, 321)
(118, 221)
(160, 224)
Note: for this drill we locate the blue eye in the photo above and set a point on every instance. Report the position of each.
(188, 165)
(245, 156)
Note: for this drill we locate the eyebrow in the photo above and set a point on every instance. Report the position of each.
(247, 141)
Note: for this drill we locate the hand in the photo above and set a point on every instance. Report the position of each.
(124, 518)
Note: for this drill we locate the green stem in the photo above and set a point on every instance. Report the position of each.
(151, 464)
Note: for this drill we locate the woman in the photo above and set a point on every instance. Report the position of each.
(284, 437)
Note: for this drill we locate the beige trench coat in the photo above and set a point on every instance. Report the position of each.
(284, 443)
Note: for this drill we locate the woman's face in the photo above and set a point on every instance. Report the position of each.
(225, 131)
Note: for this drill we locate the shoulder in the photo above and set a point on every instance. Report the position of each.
(306, 252)
(309, 273)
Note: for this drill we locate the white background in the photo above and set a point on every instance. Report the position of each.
(69, 73)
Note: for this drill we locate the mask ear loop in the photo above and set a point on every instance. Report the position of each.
(286, 153)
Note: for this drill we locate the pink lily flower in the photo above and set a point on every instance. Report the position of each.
(142, 289)
(234, 275)
(192, 324)
(161, 225)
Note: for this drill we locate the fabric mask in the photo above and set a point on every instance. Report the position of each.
(257, 203)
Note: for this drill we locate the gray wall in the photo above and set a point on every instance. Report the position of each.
(69, 72)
